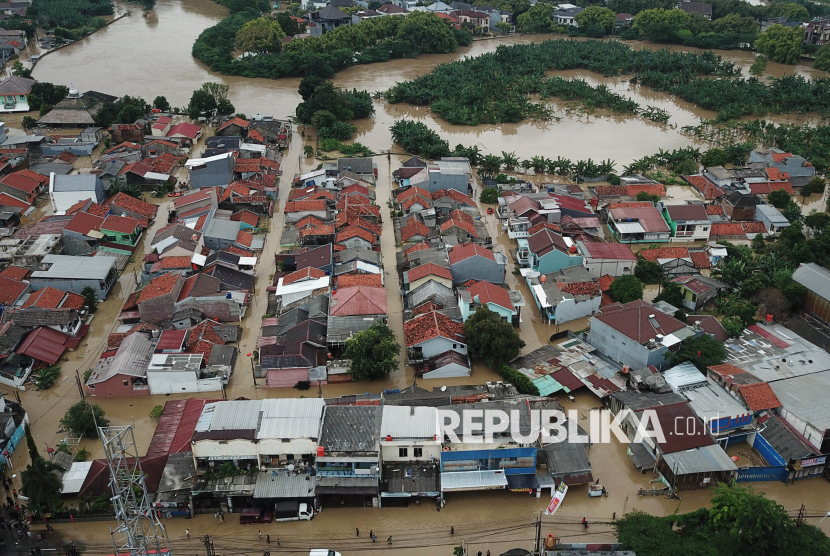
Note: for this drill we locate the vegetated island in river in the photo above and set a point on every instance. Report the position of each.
(375, 40)
(494, 87)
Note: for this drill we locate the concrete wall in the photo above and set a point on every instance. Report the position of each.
(69, 285)
(273, 447)
(570, 309)
(601, 267)
(296, 216)
(390, 449)
(620, 348)
(218, 173)
(230, 449)
(177, 382)
(555, 260)
(285, 378)
(439, 345)
(114, 388)
(354, 242)
(477, 268)
(421, 281)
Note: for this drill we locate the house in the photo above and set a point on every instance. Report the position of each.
(202, 199)
(162, 126)
(697, 290)
(817, 30)
(636, 334)
(413, 231)
(401, 8)
(431, 334)
(185, 131)
(638, 225)
(122, 231)
(174, 373)
(701, 8)
(297, 210)
(567, 16)
(214, 171)
(561, 300)
(480, 20)
(816, 280)
(24, 185)
(687, 222)
(46, 346)
(419, 275)
(363, 168)
(773, 220)
(357, 301)
(221, 234)
(15, 92)
(177, 240)
(348, 460)
(550, 252)
(295, 353)
(123, 204)
(291, 289)
(156, 301)
(328, 19)
(606, 259)
(355, 237)
(798, 169)
(73, 274)
(233, 127)
(443, 175)
(123, 373)
(11, 291)
(624, 20)
(410, 452)
(469, 261)
(50, 298)
(740, 207)
(505, 303)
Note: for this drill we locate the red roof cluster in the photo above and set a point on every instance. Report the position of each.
(15, 272)
(11, 290)
(121, 224)
(665, 253)
(715, 210)
(700, 259)
(487, 292)
(705, 187)
(161, 285)
(432, 325)
(233, 121)
(244, 238)
(137, 206)
(353, 280)
(580, 288)
(455, 195)
(354, 231)
(428, 269)
(631, 204)
(414, 228)
(84, 223)
(464, 251)
(759, 396)
(304, 274)
(303, 206)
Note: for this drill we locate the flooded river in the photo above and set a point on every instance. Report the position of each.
(150, 56)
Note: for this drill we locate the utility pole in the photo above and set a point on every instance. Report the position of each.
(800, 519)
(209, 551)
(80, 386)
(539, 534)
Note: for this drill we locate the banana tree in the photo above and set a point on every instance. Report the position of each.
(510, 160)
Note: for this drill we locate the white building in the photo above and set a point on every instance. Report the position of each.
(409, 433)
(612, 259)
(66, 191)
(175, 373)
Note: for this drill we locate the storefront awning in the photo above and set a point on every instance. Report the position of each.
(366, 486)
(522, 482)
(457, 481)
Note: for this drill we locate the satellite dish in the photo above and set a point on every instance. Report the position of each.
(651, 380)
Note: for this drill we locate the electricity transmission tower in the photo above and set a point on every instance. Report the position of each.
(139, 532)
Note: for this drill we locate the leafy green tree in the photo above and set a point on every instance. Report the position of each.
(308, 150)
(758, 244)
(82, 455)
(778, 198)
(323, 118)
(45, 378)
(661, 25)
(429, 32)
(781, 44)
(510, 160)
(161, 103)
(596, 15)
(714, 157)
(537, 19)
(792, 212)
(90, 299)
(42, 483)
(503, 27)
(373, 352)
(733, 326)
(759, 66)
(201, 104)
(672, 294)
(698, 24)
(489, 195)
(155, 413)
(291, 26)
(735, 24)
(686, 167)
(817, 185)
(20, 71)
(490, 165)
(702, 351)
(30, 443)
(224, 107)
(626, 288)
(650, 197)
(491, 338)
(793, 11)
(260, 36)
(823, 58)
(648, 272)
(84, 418)
(29, 122)
(753, 521)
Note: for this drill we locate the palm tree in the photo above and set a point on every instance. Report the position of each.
(563, 166)
(526, 165)
(490, 165)
(128, 189)
(538, 164)
(474, 155)
(606, 167)
(510, 160)
(41, 483)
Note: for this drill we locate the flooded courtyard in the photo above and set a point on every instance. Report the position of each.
(493, 521)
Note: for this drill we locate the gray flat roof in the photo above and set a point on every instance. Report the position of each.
(284, 485)
(75, 182)
(814, 278)
(705, 459)
(222, 229)
(76, 268)
(806, 397)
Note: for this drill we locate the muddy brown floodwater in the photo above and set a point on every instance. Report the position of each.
(150, 56)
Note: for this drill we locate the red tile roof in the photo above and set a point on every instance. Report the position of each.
(580, 288)
(414, 228)
(16, 273)
(239, 251)
(47, 298)
(778, 157)
(7, 200)
(544, 226)
(46, 344)
(244, 238)
(233, 121)
(306, 273)
(321, 230)
(487, 292)
(310, 220)
(416, 199)
(354, 231)
(246, 216)
(692, 283)
(303, 206)
(73, 301)
(355, 188)
(775, 174)
(67, 157)
(665, 253)
(410, 192)
(464, 251)
(196, 196)
(675, 440)
(295, 194)
(432, 325)
(423, 270)
(652, 189)
(705, 187)
(235, 188)
(424, 244)
(358, 300)
(161, 285)
(632, 320)
(200, 223)
(632, 204)
(175, 262)
(11, 290)
(352, 280)
(427, 307)
(32, 175)
(19, 181)
(126, 145)
(122, 224)
(715, 210)
(759, 396)
(754, 227)
(84, 223)
(125, 202)
(700, 259)
(186, 129)
(165, 163)
(605, 282)
(97, 210)
(616, 251)
(726, 229)
(460, 224)
(455, 195)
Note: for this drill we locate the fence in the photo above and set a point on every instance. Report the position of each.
(777, 473)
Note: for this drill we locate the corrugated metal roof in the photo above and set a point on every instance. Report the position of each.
(284, 485)
(233, 415)
(814, 278)
(409, 422)
(74, 479)
(473, 480)
(705, 459)
(806, 397)
(77, 268)
(291, 418)
(351, 428)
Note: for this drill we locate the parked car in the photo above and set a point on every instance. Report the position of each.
(255, 515)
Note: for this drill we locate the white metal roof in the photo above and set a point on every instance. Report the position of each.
(366, 267)
(400, 421)
(290, 418)
(198, 259)
(699, 460)
(473, 480)
(629, 227)
(541, 295)
(247, 261)
(302, 285)
(157, 176)
(313, 174)
(74, 479)
(78, 268)
(200, 161)
(230, 415)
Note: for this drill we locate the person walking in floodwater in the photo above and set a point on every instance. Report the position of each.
(356, 532)
(187, 533)
(389, 540)
(584, 523)
(452, 530)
